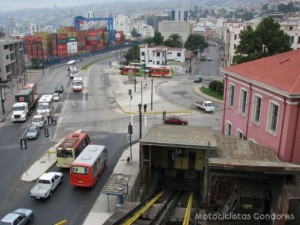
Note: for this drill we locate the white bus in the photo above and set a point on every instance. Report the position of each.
(72, 68)
(45, 104)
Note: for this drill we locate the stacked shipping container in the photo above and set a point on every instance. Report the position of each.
(67, 42)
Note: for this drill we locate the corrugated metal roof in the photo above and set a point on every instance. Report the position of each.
(179, 135)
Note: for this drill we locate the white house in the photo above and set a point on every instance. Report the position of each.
(161, 55)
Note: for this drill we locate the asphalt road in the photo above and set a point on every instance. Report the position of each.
(95, 111)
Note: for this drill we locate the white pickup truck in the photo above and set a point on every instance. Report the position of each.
(206, 106)
(46, 184)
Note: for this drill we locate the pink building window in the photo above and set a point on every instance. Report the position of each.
(256, 109)
(273, 118)
(243, 102)
(231, 95)
(228, 128)
(239, 134)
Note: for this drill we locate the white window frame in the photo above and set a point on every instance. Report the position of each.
(230, 101)
(239, 134)
(270, 115)
(227, 130)
(242, 104)
(254, 109)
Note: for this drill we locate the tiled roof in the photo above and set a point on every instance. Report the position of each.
(281, 71)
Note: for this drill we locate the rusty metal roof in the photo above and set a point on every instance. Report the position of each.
(267, 167)
(230, 147)
(237, 154)
(179, 135)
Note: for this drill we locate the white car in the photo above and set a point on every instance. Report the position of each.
(77, 84)
(56, 97)
(18, 217)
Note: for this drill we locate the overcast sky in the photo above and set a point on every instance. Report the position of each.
(9, 5)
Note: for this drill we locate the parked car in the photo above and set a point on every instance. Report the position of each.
(208, 59)
(18, 217)
(59, 88)
(56, 97)
(198, 80)
(173, 119)
(33, 132)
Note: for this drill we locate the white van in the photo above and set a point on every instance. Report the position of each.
(77, 84)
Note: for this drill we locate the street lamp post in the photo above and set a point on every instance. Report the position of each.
(140, 119)
(140, 116)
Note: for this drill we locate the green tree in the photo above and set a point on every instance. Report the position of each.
(247, 16)
(148, 40)
(194, 42)
(135, 34)
(287, 8)
(268, 39)
(174, 41)
(158, 39)
(133, 54)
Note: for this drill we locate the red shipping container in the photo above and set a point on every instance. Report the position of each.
(62, 52)
(81, 43)
(93, 42)
(61, 36)
(62, 47)
(92, 33)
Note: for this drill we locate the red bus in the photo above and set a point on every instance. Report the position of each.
(70, 148)
(137, 71)
(88, 166)
(160, 71)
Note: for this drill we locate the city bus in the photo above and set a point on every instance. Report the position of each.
(68, 150)
(88, 166)
(137, 71)
(160, 71)
(45, 104)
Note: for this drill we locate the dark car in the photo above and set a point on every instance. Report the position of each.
(18, 217)
(59, 88)
(198, 80)
(173, 119)
(33, 132)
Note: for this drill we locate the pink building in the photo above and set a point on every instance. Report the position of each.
(261, 103)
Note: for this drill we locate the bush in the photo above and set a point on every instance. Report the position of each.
(215, 85)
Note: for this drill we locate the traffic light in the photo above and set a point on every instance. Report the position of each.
(46, 132)
(164, 115)
(129, 129)
(130, 92)
(23, 144)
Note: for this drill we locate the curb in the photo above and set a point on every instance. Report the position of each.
(198, 92)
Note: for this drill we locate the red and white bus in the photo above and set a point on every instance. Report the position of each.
(68, 150)
(160, 71)
(88, 166)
